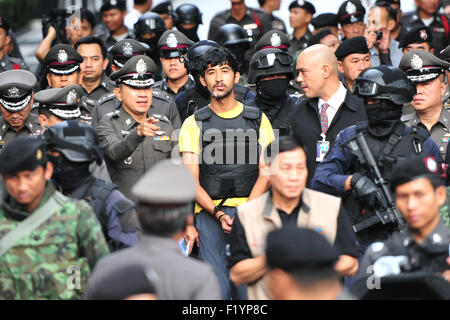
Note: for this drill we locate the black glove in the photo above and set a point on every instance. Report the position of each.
(364, 189)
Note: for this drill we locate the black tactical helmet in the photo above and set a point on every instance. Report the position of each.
(269, 62)
(78, 142)
(188, 13)
(232, 34)
(385, 82)
(195, 52)
(149, 22)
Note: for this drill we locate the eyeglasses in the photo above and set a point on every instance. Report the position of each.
(269, 60)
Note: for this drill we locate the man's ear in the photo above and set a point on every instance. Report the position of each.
(49, 80)
(391, 24)
(441, 195)
(202, 81)
(42, 121)
(48, 172)
(237, 77)
(118, 93)
(105, 63)
(340, 66)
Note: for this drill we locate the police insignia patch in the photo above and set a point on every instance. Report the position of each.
(62, 56)
(127, 49)
(13, 92)
(350, 8)
(416, 62)
(71, 97)
(300, 2)
(275, 40)
(141, 67)
(38, 154)
(172, 41)
(423, 34)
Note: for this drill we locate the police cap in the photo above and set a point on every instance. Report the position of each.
(413, 168)
(114, 4)
(16, 88)
(308, 6)
(350, 46)
(351, 11)
(416, 35)
(125, 49)
(173, 44)
(163, 8)
(274, 39)
(4, 25)
(303, 251)
(138, 72)
(166, 183)
(325, 20)
(445, 54)
(23, 154)
(62, 59)
(61, 102)
(422, 66)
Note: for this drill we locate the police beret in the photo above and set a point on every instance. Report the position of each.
(173, 43)
(125, 49)
(23, 154)
(63, 59)
(273, 39)
(422, 66)
(138, 72)
(350, 46)
(16, 87)
(325, 20)
(416, 35)
(300, 250)
(351, 11)
(413, 168)
(62, 102)
(445, 54)
(319, 35)
(4, 24)
(163, 8)
(166, 183)
(308, 6)
(114, 4)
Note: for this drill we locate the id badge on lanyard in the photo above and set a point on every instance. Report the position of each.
(322, 148)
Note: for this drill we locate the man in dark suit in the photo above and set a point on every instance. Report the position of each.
(328, 108)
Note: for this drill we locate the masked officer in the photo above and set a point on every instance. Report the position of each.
(45, 235)
(427, 73)
(16, 99)
(135, 136)
(384, 89)
(72, 147)
(189, 18)
(172, 45)
(121, 52)
(6, 62)
(351, 19)
(424, 246)
(271, 71)
(198, 96)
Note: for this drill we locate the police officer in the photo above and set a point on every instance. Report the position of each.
(271, 6)
(72, 147)
(189, 18)
(6, 62)
(198, 96)
(16, 99)
(271, 71)
(62, 66)
(425, 243)
(134, 136)
(417, 38)
(113, 14)
(326, 20)
(384, 90)
(301, 13)
(351, 19)
(43, 231)
(121, 52)
(445, 54)
(172, 45)
(427, 73)
(233, 37)
(165, 10)
(428, 15)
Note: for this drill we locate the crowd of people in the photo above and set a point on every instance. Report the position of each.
(141, 162)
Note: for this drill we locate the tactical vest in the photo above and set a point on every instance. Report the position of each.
(230, 152)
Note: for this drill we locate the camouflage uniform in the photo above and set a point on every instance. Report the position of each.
(40, 265)
(444, 211)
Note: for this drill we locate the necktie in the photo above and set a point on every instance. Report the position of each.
(324, 118)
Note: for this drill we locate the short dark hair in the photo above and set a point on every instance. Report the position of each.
(93, 40)
(88, 16)
(140, 2)
(391, 11)
(218, 56)
(164, 222)
(282, 144)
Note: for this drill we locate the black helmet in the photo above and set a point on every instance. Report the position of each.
(149, 22)
(232, 34)
(78, 142)
(385, 82)
(188, 13)
(195, 52)
(269, 62)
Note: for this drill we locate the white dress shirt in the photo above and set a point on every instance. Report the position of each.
(334, 102)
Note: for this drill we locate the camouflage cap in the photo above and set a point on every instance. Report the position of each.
(166, 183)
(173, 44)
(125, 49)
(62, 59)
(422, 66)
(61, 102)
(138, 72)
(23, 154)
(16, 88)
(273, 39)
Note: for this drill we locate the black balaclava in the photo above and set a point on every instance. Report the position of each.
(190, 33)
(69, 175)
(383, 117)
(270, 96)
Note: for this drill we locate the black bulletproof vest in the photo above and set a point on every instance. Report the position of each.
(230, 152)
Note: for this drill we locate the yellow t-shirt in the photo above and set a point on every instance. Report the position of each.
(189, 141)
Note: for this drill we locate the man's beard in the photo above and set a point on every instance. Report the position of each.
(221, 96)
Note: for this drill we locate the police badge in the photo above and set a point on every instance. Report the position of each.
(416, 62)
(423, 34)
(141, 67)
(301, 2)
(71, 97)
(275, 40)
(62, 56)
(350, 8)
(127, 49)
(14, 92)
(172, 41)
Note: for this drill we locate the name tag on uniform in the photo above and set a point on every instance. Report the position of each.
(250, 26)
(322, 148)
(161, 138)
